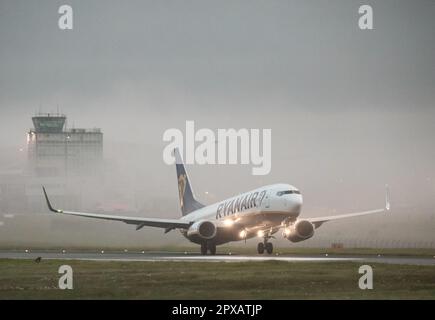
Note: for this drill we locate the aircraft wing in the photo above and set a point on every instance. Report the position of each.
(168, 224)
(319, 221)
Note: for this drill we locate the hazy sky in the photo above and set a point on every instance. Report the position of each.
(159, 56)
(349, 110)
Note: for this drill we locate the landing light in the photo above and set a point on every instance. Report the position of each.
(228, 223)
(242, 234)
(260, 234)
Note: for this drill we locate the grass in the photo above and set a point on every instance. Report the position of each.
(25, 279)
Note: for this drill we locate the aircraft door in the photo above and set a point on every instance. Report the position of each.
(267, 201)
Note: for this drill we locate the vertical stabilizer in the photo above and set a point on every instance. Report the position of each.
(188, 202)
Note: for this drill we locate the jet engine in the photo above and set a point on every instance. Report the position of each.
(299, 231)
(203, 229)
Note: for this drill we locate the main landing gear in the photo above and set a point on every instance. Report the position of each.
(265, 245)
(208, 246)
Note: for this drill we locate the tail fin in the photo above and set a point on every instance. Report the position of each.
(188, 202)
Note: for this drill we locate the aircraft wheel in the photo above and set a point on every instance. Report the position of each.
(203, 249)
(212, 249)
(260, 248)
(269, 248)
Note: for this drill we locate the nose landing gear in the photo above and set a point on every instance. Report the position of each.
(265, 245)
(203, 249)
(208, 246)
(269, 247)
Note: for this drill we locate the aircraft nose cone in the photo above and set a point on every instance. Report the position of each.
(296, 208)
(294, 204)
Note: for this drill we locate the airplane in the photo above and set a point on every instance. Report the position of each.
(261, 212)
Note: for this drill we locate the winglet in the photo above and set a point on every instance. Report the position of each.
(48, 202)
(387, 198)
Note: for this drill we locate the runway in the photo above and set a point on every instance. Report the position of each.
(185, 256)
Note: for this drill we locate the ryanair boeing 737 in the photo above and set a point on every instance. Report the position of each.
(258, 213)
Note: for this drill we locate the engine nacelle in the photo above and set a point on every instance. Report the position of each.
(299, 231)
(203, 229)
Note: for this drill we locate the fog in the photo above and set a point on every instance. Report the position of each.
(350, 110)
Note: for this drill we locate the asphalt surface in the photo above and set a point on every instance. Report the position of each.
(188, 256)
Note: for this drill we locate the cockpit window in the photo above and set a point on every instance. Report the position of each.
(280, 193)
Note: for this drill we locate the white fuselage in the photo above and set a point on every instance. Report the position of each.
(255, 213)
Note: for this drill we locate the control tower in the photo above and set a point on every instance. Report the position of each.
(48, 123)
(55, 151)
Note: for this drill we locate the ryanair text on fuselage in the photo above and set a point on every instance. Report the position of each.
(247, 201)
